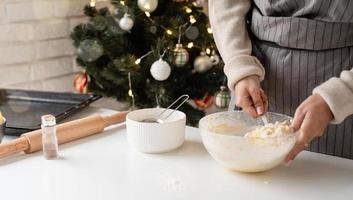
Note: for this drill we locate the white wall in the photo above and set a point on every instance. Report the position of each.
(36, 51)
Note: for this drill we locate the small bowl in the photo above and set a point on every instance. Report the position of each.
(2, 129)
(155, 137)
(223, 136)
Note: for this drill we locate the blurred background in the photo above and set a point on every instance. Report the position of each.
(36, 51)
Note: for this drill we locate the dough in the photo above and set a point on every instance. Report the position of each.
(271, 130)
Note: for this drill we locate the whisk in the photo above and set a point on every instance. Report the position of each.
(158, 119)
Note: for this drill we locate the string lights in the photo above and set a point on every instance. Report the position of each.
(130, 92)
(138, 61)
(169, 31)
(192, 19)
(188, 10)
(92, 3)
(209, 30)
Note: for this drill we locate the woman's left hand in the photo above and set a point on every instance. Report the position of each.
(310, 120)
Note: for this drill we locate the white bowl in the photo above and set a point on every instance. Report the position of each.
(155, 137)
(232, 150)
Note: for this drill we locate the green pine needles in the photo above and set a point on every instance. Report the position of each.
(109, 54)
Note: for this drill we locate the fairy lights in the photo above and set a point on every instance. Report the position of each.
(92, 3)
(209, 30)
(190, 45)
(169, 32)
(130, 92)
(138, 60)
(192, 19)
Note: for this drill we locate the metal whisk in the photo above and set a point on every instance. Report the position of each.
(159, 119)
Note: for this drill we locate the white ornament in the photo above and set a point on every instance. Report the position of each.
(160, 70)
(147, 5)
(126, 23)
(202, 63)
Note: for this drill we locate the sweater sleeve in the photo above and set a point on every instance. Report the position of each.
(338, 94)
(228, 22)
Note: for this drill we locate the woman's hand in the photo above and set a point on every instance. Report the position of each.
(310, 119)
(250, 97)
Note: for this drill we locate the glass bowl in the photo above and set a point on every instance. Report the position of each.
(223, 137)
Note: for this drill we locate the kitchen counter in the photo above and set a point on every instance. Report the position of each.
(104, 167)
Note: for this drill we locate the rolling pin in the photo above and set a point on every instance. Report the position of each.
(32, 141)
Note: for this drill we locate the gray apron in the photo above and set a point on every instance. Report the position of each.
(303, 43)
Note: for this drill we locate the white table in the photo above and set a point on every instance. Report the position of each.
(104, 167)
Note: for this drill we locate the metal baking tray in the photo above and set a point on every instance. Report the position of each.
(23, 109)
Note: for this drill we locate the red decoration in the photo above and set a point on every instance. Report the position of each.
(204, 102)
(81, 82)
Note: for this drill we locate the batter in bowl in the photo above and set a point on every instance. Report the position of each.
(271, 130)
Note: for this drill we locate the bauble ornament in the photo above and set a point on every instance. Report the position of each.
(202, 63)
(81, 82)
(192, 33)
(147, 5)
(90, 50)
(204, 102)
(180, 56)
(126, 23)
(222, 98)
(160, 70)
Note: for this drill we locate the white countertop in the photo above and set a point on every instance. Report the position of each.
(104, 167)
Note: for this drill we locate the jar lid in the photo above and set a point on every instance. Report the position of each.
(48, 120)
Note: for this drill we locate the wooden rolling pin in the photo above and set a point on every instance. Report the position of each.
(32, 141)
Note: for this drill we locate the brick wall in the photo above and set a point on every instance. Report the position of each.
(36, 51)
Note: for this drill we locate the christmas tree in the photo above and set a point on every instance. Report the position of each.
(150, 52)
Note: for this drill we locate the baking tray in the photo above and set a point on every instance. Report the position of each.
(23, 109)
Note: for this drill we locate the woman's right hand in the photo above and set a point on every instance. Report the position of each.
(250, 97)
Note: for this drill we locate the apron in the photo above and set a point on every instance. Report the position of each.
(301, 44)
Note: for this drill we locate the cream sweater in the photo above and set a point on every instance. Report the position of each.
(228, 23)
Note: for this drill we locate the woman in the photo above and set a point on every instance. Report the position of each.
(306, 49)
